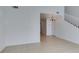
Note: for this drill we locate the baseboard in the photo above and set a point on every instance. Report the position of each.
(23, 43)
(75, 42)
(68, 40)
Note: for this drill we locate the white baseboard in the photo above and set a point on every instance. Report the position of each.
(75, 42)
(23, 43)
(1, 49)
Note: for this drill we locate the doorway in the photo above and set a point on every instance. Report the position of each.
(42, 27)
(46, 26)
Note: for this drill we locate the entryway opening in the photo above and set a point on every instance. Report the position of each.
(46, 26)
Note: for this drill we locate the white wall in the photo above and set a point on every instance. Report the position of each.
(66, 30)
(23, 24)
(2, 34)
(72, 13)
(72, 10)
(70, 32)
(58, 26)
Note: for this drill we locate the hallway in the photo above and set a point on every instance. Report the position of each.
(50, 44)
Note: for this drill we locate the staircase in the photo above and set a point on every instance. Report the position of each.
(72, 20)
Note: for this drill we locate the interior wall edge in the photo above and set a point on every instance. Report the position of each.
(23, 43)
